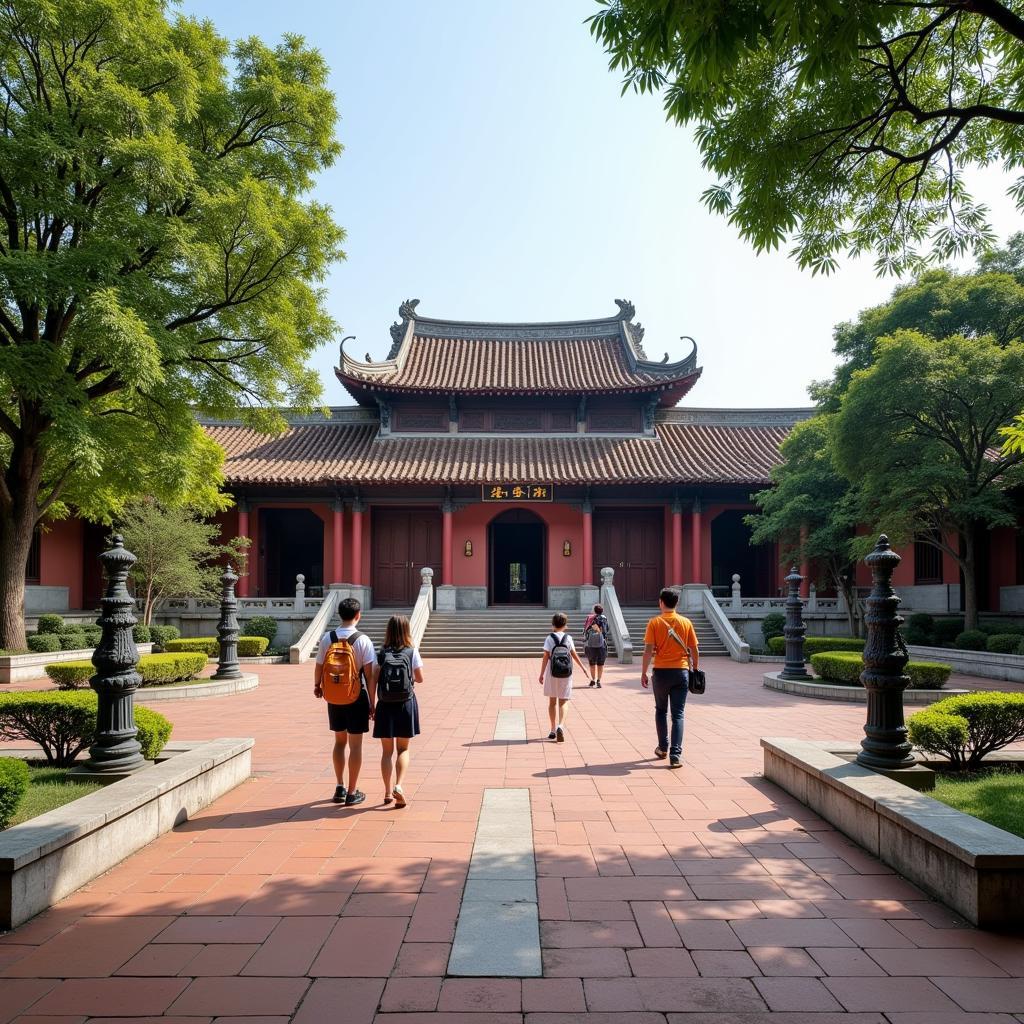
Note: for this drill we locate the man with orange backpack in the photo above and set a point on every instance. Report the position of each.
(345, 677)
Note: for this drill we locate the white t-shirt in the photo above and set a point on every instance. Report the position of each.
(549, 646)
(362, 649)
(417, 661)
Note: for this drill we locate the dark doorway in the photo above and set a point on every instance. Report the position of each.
(95, 540)
(632, 542)
(404, 541)
(732, 552)
(517, 542)
(291, 541)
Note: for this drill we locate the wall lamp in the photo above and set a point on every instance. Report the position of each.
(567, 549)
(468, 549)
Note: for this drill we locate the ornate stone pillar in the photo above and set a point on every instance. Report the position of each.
(677, 543)
(337, 537)
(794, 630)
(885, 743)
(243, 531)
(116, 751)
(697, 542)
(227, 628)
(588, 543)
(358, 511)
(447, 559)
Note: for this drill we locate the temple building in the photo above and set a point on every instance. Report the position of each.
(515, 460)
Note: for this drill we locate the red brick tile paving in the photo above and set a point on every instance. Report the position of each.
(703, 896)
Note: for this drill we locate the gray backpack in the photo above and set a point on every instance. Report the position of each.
(596, 633)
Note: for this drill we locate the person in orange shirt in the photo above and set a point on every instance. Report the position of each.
(671, 641)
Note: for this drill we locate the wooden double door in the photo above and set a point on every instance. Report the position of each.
(632, 542)
(404, 541)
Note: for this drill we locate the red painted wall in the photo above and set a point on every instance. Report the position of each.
(60, 558)
(1002, 562)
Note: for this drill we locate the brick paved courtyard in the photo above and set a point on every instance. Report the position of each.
(699, 895)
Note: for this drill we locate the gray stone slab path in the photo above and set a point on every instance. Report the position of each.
(512, 686)
(510, 725)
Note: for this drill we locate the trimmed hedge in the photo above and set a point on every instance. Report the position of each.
(262, 625)
(50, 623)
(73, 640)
(1003, 643)
(248, 646)
(161, 634)
(920, 629)
(971, 640)
(967, 727)
(93, 634)
(772, 625)
(1001, 628)
(155, 669)
(43, 643)
(818, 644)
(13, 784)
(945, 631)
(846, 667)
(141, 633)
(64, 724)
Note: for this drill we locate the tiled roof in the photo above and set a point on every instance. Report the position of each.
(463, 357)
(345, 453)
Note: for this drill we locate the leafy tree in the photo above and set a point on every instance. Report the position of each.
(836, 126)
(158, 256)
(177, 552)
(918, 431)
(811, 497)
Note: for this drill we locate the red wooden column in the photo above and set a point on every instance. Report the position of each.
(677, 543)
(805, 565)
(447, 562)
(358, 511)
(243, 531)
(337, 529)
(697, 542)
(588, 543)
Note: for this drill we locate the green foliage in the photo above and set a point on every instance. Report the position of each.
(1003, 643)
(846, 666)
(968, 727)
(14, 778)
(262, 625)
(835, 127)
(93, 635)
(209, 645)
(815, 644)
(43, 643)
(72, 640)
(971, 640)
(155, 669)
(1000, 626)
(252, 646)
(49, 623)
(920, 629)
(772, 625)
(947, 630)
(995, 796)
(162, 255)
(161, 634)
(64, 724)
(141, 634)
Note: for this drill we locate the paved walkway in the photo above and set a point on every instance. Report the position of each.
(701, 895)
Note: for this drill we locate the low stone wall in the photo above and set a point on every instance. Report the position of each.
(973, 867)
(201, 688)
(818, 688)
(16, 667)
(1008, 667)
(47, 858)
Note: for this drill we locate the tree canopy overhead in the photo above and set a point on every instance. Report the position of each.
(158, 255)
(836, 126)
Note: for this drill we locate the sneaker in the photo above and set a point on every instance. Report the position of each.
(551, 735)
(659, 753)
(340, 792)
(599, 684)
(594, 682)
(560, 734)
(675, 762)
(357, 796)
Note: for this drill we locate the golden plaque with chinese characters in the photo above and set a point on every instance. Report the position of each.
(518, 492)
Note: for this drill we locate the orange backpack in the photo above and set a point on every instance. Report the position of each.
(341, 681)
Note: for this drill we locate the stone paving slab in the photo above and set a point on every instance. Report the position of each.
(700, 896)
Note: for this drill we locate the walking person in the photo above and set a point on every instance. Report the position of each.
(399, 668)
(670, 640)
(595, 643)
(344, 676)
(556, 674)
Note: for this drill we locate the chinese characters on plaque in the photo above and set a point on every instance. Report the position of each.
(518, 492)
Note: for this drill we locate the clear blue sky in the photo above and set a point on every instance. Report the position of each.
(493, 171)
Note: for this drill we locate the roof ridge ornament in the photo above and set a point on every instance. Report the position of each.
(407, 311)
(626, 309)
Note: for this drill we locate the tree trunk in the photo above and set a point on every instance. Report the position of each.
(969, 566)
(16, 529)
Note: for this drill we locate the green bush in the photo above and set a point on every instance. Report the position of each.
(967, 727)
(161, 634)
(43, 643)
(252, 646)
(846, 667)
(817, 644)
(262, 625)
(72, 640)
(1001, 628)
(920, 629)
(13, 783)
(1003, 643)
(208, 644)
(50, 623)
(93, 635)
(970, 640)
(141, 633)
(155, 669)
(946, 631)
(772, 625)
(64, 724)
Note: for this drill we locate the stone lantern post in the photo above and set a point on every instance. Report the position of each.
(116, 751)
(885, 743)
(794, 630)
(227, 628)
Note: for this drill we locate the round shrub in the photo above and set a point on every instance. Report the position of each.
(970, 640)
(13, 784)
(155, 669)
(818, 644)
(72, 640)
(920, 629)
(93, 635)
(50, 623)
(71, 675)
(945, 631)
(208, 644)
(161, 634)
(252, 646)
(43, 643)
(772, 625)
(64, 724)
(967, 727)
(846, 666)
(141, 633)
(1003, 643)
(262, 625)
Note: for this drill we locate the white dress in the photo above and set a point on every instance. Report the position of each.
(561, 688)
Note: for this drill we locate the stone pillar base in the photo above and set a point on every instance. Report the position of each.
(444, 598)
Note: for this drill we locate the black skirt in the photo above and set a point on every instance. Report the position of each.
(397, 719)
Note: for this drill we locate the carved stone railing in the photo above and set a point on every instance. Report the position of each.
(423, 607)
(300, 650)
(616, 620)
(739, 649)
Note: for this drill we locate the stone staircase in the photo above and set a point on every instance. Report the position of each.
(708, 641)
(372, 623)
